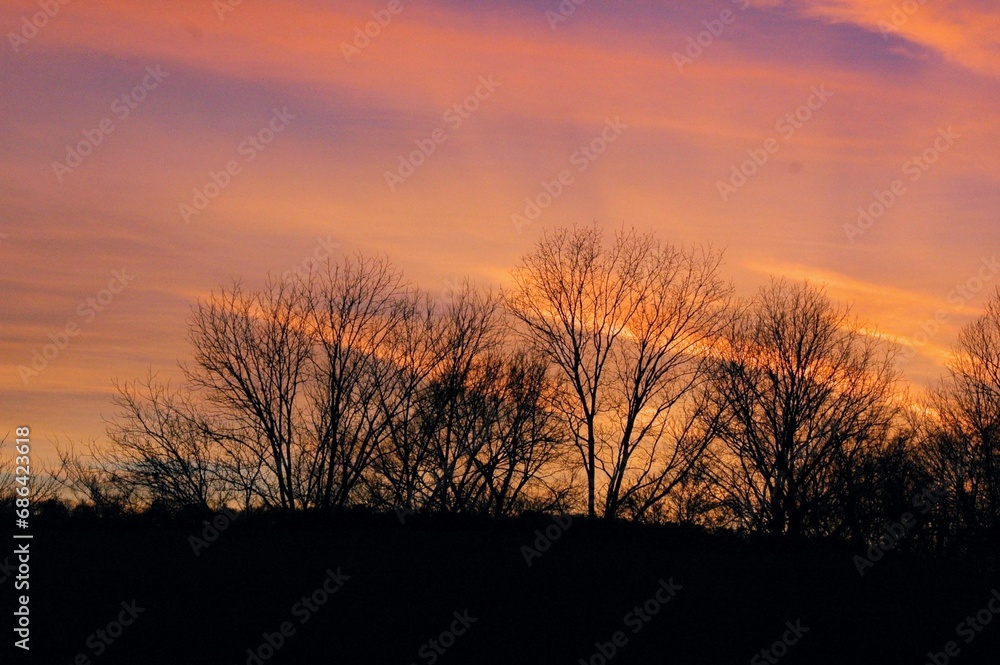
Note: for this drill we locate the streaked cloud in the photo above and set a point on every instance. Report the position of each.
(964, 32)
(324, 176)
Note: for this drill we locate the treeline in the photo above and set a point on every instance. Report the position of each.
(618, 376)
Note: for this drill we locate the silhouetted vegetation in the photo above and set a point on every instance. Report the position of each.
(406, 580)
(619, 378)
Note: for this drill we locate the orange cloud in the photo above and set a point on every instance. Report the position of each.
(967, 33)
(324, 176)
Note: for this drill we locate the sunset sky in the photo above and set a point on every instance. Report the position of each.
(630, 112)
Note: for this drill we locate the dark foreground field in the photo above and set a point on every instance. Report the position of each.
(406, 584)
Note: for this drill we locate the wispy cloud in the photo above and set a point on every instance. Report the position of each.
(964, 32)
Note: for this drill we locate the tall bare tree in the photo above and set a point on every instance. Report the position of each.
(251, 355)
(459, 416)
(966, 445)
(410, 355)
(799, 391)
(353, 308)
(628, 325)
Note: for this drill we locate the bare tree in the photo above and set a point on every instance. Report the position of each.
(91, 477)
(251, 354)
(799, 391)
(353, 309)
(41, 482)
(166, 447)
(628, 326)
(460, 414)
(409, 356)
(966, 445)
(520, 464)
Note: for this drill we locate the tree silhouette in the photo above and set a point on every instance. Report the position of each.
(622, 362)
(251, 354)
(799, 392)
(628, 326)
(965, 445)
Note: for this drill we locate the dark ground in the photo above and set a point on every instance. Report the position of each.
(406, 583)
